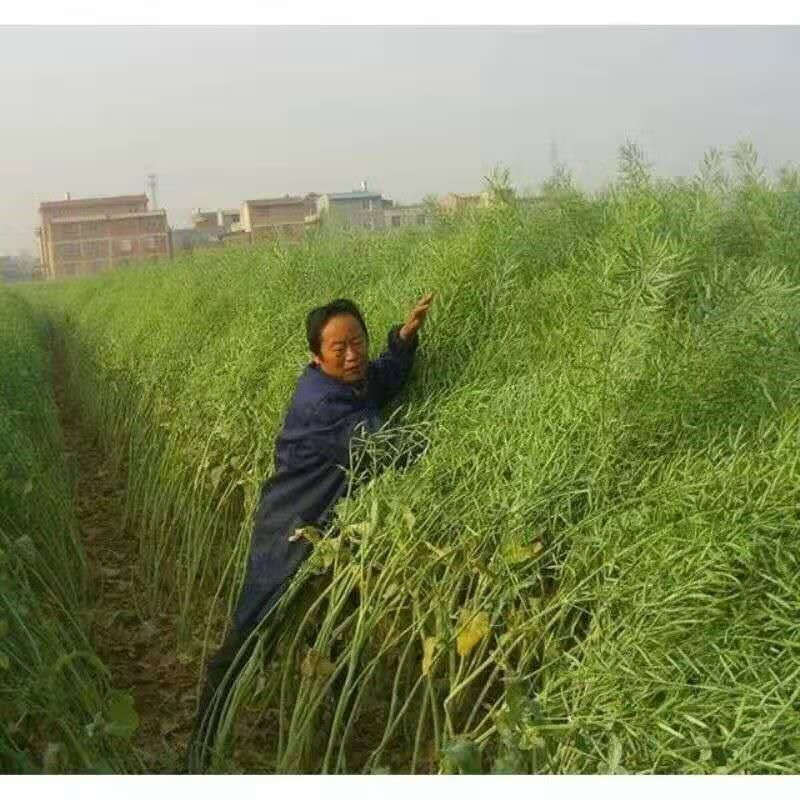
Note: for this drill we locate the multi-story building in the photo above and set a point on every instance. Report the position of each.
(82, 237)
(277, 217)
(8, 270)
(216, 223)
(187, 239)
(397, 216)
(458, 202)
(17, 268)
(359, 209)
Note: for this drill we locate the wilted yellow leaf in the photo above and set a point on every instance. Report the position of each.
(428, 649)
(316, 664)
(519, 552)
(473, 628)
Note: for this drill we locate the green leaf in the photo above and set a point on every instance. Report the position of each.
(4, 662)
(511, 762)
(216, 475)
(615, 754)
(464, 755)
(517, 553)
(316, 665)
(517, 702)
(705, 748)
(26, 547)
(122, 719)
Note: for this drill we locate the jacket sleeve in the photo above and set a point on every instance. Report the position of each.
(389, 372)
(333, 435)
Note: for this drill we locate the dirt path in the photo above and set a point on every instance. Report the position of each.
(140, 652)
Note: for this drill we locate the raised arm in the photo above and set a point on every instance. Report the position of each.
(389, 372)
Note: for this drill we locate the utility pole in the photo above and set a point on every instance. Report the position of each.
(152, 185)
(553, 155)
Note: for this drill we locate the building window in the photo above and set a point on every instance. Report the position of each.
(68, 250)
(365, 204)
(125, 227)
(125, 245)
(70, 231)
(151, 224)
(95, 248)
(93, 230)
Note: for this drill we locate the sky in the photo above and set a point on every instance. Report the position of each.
(225, 114)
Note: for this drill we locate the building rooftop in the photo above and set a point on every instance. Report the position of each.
(359, 195)
(122, 199)
(275, 201)
(101, 217)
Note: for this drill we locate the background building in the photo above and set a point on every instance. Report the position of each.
(405, 216)
(8, 270)
(184, 240)
(22, 267)
(216, 223)
(458, 202)
(277, 217)
(358, 209)
(83, 237)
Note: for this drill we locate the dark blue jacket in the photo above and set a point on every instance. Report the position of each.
(312, 454)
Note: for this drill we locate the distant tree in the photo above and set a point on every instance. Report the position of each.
(745, 159)
(788, 178)
(499, 183)
(634, 168)
(431, 203)
(559, 183)
(712, 175)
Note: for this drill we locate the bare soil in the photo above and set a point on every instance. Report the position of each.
(140, 651)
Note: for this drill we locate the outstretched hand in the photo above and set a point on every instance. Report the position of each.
(416, 318)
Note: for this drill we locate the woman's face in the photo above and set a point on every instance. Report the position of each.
(343, 349)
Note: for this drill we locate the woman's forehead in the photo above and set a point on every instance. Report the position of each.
(341, 327)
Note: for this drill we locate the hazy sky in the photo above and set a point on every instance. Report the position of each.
(226, 114)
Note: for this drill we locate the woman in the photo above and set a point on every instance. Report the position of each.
(339, 394)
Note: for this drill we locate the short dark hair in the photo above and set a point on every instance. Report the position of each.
(318, 317)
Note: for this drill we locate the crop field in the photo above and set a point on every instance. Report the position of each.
(590, 562)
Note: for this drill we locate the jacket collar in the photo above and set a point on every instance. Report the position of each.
(327, 383)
